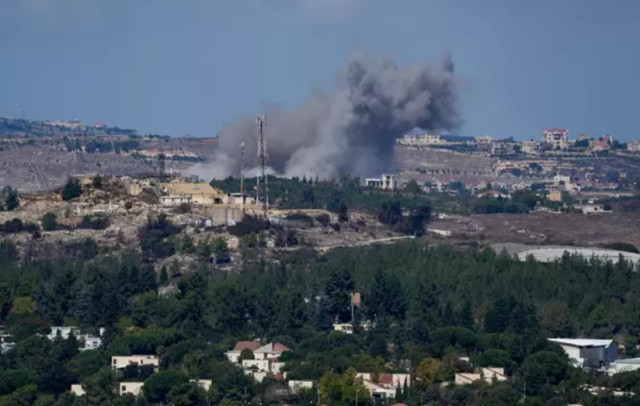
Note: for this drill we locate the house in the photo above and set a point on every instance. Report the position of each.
(257, 375)
(133, 388)
(270, 351)
(419, 137)
(556, 137)
(555, 196)
(234, 355)
(463, 378)
(587, 352)
(122, 361)
(385, 182)
(347, 328)
(485, 139)
(487, 375)
(493, 193)
(77, 389)
(592, 208)
(623, 365)
(384, 385)
(90, 342)
(196, 193)
(64, 332)
(633, 146)
(378, 391)
(256, 364)
(297, 385)
(203, 383)
(530, 148)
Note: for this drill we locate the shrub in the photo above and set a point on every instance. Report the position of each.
(49, 222)
(71, 190)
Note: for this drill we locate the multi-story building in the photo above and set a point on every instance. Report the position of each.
(419, 137)
(633, 146)
(556, 137)
(385, 182)
(530, 147)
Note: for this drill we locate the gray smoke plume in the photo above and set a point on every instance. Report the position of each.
(353, 128)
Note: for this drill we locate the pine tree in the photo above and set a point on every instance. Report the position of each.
(164, 277)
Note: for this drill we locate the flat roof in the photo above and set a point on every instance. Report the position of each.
(582, 342)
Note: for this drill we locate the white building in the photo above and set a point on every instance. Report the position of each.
(530, 148)
(623, 365)
(633, 146)
(133, 388)
(64, 332)
(203, 383)
(77, 389)
(234, 354)
(296, 385)
(385, 182)
(270, 351)
(485, 139)
(347, 328)
(556, 137)
(419, 137)
(122, 361)
(587, 352)
(488, 375)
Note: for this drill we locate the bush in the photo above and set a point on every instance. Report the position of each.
(71, 190)
(17, 226)
(183, 208)
(621, 246)
(49, 222)
(248, 225)
(323, 219)
(98, 222)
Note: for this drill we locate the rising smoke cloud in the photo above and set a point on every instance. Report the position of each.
(351, 129)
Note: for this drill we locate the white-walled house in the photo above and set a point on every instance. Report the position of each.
(77, 389)
(234, 354)
(203, 383)
(487, 374)
(122, 361)
(256, 364)
(297, 385)
(588, 352)
(134, 388)
(270, 351)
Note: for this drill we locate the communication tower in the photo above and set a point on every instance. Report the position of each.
(262, 183)
(242, 175)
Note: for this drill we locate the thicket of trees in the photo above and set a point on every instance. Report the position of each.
(428, 307)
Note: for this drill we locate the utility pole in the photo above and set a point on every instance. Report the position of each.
(261, 123)
(242, 175)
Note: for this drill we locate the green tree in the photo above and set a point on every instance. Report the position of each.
(11, 199)
(71, 190)
(101, 387)
(338, 293)
(164, 277)
(186, 394)
(49, 222)
(158, 386)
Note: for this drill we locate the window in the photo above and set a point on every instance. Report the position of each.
(124, 388)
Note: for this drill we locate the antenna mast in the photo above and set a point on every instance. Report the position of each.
(261, 123)
(242, 175)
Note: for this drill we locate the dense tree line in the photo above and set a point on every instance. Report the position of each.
(428, 306)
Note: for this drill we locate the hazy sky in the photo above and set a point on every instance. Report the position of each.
(186, 67)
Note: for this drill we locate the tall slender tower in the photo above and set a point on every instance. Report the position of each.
(242, 175)
(262, 183)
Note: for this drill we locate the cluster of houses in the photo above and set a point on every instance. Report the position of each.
(86, 341)
(552, 139)
(120, 362)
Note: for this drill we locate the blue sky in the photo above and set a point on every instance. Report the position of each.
(187, 67)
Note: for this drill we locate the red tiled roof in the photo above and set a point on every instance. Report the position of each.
(277, 347)
(385, 379)
(246, 345)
